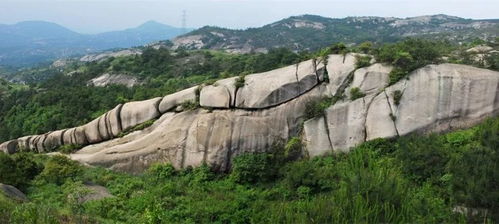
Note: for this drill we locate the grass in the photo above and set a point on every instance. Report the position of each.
(413, 179)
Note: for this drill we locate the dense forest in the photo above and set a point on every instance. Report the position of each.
(449, 178)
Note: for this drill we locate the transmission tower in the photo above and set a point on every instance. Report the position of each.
(184, 21)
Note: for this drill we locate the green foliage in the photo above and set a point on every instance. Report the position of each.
(18, 170)
(338, 48)
(252, 168)
(316, 108)
(58, 169)
(355, 93)
(411, 54)
(362, 61)
(138, 127)
(410, 179)
(365, 47)
(397, 96)
(293, 149)
(396, 74)
(240, 82)
(189, 105)
(68, 149)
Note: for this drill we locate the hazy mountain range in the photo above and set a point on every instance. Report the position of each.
(309, 32)
(37, 41)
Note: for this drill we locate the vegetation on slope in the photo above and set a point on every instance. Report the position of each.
(64, 99)
(413, 179)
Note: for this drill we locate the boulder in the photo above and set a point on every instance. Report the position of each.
(92, 131)
(447, 96)
(9, 147)
(134, 113)
(24, 143)
(339, 68)
(173, 100)
(346, 123)
(12, 193)
(54, 140)
(316, 137)
(371, 79)
(275, 87)
(219, 95)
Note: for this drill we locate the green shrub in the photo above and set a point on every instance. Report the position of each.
(240, 82)
(397, 95)
(135, 128)
(396, 74)
(252, 168)
(365, 47)
(355, 93)
(189, 105)
(161, 172)
(18, 170)
(362, 61)
(68, 149)
(58, 169)
(316, 108)
(293, 149)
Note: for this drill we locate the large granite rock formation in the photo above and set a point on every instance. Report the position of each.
(271, 107)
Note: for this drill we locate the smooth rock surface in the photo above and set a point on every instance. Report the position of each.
(134, 113)
(219, 95)
(346, 123)
(447, 96)
(338, 68)
(275, 87)
(192, 137)
(316, 137)
(371, 79)
(173, 100)
(379, 123)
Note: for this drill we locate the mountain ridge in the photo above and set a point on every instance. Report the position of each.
(31, 42)
(311, 32)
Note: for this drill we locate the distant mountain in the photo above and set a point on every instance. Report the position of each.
(31, 42)
(309, 32)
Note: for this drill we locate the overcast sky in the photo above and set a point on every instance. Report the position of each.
(92, 16)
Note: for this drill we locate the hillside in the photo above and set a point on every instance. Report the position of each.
(309, 32)
(271, 146)
(31, 42)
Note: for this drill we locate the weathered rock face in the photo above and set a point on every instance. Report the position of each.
(435, 98)
(317, 137)
(193, 137)
(371, 79)
(221, 94)
(173, 100)
(272, 88)
(271, 107)
(9, 147)
(135, 113)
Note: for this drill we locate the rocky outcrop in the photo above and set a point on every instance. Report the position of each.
(114, 79)
(221, 94)
(271, 107)
(12, 193)
(275, 87)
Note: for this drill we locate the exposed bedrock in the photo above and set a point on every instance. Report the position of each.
(235, 117)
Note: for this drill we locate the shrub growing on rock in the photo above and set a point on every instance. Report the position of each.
(355, 93)
(362, 61)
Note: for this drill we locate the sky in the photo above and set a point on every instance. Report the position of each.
(93, 16)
